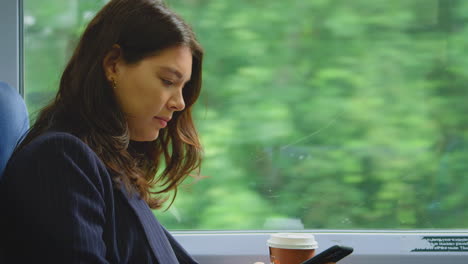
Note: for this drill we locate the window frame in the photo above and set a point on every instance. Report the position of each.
(371, 246)
(11, 52)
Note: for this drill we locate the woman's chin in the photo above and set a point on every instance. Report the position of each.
(141, 137)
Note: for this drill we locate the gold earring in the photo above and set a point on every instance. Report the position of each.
(113, 83)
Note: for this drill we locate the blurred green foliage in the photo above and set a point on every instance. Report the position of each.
(315, 113)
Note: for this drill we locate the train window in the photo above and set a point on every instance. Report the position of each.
(347, 116)
(316, 114)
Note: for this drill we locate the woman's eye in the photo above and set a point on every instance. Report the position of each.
(167, 82)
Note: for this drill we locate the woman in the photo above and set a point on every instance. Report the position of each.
(81, 186)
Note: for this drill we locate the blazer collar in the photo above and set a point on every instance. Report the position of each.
(154, 231)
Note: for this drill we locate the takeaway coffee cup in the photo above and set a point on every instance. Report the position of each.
(291, 248)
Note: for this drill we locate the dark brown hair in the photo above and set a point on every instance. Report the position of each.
(85, 104)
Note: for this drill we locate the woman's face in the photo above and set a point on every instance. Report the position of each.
(150, 91)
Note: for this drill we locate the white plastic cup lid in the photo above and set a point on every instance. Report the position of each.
(292, 241)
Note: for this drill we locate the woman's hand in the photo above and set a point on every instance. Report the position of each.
(264, 263)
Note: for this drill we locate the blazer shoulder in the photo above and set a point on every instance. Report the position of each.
(54, 155)
(57, 142)
(56, 148)
(57, 139)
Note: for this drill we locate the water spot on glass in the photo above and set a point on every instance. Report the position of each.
(29, 20)
(47, 31)
(346, 221)
(87, 15)
(175, 212)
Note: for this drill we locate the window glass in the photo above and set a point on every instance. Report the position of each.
(315, 114)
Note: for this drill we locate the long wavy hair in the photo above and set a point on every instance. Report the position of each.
(86, 106)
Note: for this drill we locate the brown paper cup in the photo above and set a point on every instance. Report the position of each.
(291, 248)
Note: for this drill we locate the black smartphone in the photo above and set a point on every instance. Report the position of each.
(331, 254)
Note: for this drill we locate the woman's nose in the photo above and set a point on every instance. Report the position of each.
(177, 102)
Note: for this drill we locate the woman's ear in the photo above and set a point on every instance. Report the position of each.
(111, 61)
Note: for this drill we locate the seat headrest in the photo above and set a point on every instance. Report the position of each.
(14, 122)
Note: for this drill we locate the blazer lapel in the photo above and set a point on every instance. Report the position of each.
(182, 256)
(154, 232)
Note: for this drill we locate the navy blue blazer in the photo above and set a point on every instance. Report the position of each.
(59, 205)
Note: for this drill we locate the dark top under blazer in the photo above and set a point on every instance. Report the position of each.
(60, 205)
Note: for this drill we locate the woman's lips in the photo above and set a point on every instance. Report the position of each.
(162, 121)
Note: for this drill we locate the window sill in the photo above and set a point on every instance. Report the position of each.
(370, 246)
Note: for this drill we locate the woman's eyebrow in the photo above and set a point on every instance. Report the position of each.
(172, 70)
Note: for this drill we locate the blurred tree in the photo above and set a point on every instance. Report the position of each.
(338, 114)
